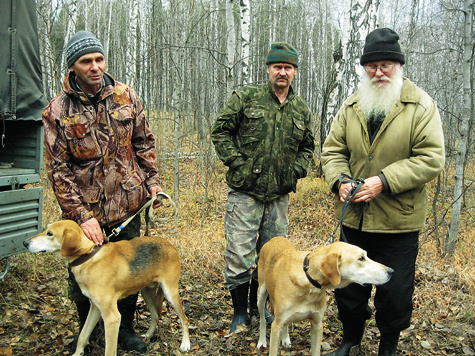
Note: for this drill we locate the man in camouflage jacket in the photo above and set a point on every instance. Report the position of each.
(100, 159)
(264, 135)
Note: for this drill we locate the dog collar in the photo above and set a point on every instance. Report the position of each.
(83, 258)
(310, 279)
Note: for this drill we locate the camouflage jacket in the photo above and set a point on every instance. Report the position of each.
(266, 145)
(99, 157)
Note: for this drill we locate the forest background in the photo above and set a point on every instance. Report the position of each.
(184, 58)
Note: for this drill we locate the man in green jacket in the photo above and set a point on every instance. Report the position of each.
(265, 136)
(390, 134)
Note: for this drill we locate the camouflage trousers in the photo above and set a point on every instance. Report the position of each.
(248, 225)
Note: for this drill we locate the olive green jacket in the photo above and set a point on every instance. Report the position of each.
(266, 145)
(408, 150)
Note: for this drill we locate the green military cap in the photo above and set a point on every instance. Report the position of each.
(282, 52)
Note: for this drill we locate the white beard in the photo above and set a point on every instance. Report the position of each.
(377, 100)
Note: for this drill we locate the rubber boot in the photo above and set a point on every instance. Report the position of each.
(239, 298)
(352, 334)
(253, 309)
(388, 344)
(128, 340)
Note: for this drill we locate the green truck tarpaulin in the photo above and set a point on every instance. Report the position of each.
(21, 86)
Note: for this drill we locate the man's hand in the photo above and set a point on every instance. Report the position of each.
(154, 190)
(371, 188)
(93, 231)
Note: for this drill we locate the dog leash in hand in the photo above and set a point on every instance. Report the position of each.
(356, 186)
(158, 199)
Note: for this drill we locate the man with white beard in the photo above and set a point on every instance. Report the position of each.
(389, 133)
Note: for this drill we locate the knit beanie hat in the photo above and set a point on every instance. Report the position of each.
(82, 42)
(382, 45)
(281, 52)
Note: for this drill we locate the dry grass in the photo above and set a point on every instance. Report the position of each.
(37, 317)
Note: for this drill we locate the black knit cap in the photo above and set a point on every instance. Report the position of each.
(82, 42)
(382, 45)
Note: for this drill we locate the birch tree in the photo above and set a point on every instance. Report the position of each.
(107, 33)
(231, 46)
(132, 46)
(468, 45)
(245, 40)
(360, 18)
(46, 52)
(72, 11)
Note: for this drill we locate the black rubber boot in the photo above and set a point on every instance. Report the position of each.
(253, 309)
(352, 334)
(128, 340)
(388, 344)
(239, 298)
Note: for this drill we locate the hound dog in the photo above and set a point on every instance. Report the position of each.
(113, 271)
(297, 282)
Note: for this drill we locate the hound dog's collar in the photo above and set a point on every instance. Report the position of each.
(83, 258)
(310, 279)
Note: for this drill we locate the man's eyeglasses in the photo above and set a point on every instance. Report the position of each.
(385, 68)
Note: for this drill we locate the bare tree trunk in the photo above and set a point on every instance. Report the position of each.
(360, 19)
(70, 29)
(231, 46)
(44, 27)
(131, 39)
(176, 164)
(245, 39)
(452, 237)
(107, 34)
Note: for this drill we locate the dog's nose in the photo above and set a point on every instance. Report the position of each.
(26, 243)
(390, 271)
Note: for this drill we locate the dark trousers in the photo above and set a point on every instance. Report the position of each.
(393, 300)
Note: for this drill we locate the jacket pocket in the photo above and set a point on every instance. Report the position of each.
(298, 129)
(251, 135)
(81, 142)
(135, 192)
(92, 196)
(252, 124)
(241, 177)
(123, 120)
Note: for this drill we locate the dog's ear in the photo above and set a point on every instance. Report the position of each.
(330, 268)
(70, 244)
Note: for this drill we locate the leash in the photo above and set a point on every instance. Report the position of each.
(158, 199)
(356, 185)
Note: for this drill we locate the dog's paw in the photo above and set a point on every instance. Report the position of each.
(286, 342)
(146, 337)
(185, 345)
(262, 344)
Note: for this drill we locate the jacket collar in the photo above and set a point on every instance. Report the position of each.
(70, 88)
(290, 95)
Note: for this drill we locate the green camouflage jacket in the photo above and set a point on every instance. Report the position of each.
(266, 145)
(100, 158)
